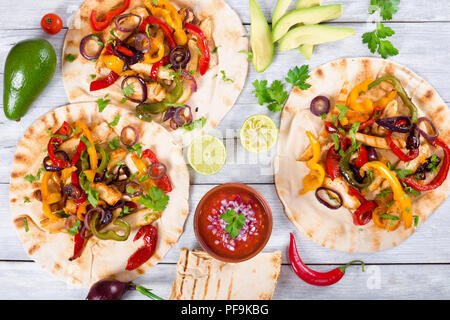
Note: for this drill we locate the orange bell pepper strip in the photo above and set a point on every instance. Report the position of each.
(366, 106)
(315, 178)
(399, 195)
(46, 195)
(155, 47)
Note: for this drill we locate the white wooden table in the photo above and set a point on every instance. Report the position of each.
(419, 268)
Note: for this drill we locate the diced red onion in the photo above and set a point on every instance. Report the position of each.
(83, 43)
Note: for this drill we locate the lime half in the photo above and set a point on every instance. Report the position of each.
(259, 133)
(207, 155)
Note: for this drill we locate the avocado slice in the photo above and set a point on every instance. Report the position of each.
(307, 49)
(307, 16)
(302, 4)
(260, 38)
(315, 34)
(280, 10)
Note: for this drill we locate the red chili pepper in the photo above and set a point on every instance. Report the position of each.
(440, 177)
(144, 253)
(105, 82)
(163, 183)
(376, 114)
(313, 277)
(363, 157)
(155, 68)
(202, 44)
(57, 138)
(125, 50)
(165, 28)
(78, 152)
(78, 246)
(108, 17)
(332, 163)
(414, 153)
(362, 215)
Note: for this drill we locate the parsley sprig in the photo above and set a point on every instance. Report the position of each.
(235, 222)
(156, 199)
(376, 40)
(274, 95)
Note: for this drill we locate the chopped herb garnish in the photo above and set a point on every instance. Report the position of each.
(92, 197)
(70, 57)
(197, 124)
(136, 148)
(235, 222)
(128, 90)
(26, 200)
(384, 193)
(388, 216)
(25, 224)
(114, 143)
(156, 199)
(31, 178)
(343, 109)
(74, 230)
(102, 103)
(403, 173)
(248, 53)
(86, 141)
(115, 121)
(224, 77)
(416, 221)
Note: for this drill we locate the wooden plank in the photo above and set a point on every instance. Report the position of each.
(354, 10)
(26, 281)
(427, 245)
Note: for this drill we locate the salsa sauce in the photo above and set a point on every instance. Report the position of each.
(212, 228)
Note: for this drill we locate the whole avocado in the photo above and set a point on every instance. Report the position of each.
(29, 68)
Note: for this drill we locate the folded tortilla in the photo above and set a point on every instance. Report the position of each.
(214, 98)
(201, 277)
(334, 229)
(100, 258)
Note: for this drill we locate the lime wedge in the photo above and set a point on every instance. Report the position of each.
(207, 155)
(259, 133)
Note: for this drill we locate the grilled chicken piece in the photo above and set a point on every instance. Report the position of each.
(142, 217)
(101, 133)
(155, 92)
(207, 26)
(115, 157)
(192, 65)
(350, 202)
(109, 194)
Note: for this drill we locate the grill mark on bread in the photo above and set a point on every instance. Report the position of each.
(195, 281)
(207, 281)
(184, 274)
(230, 287)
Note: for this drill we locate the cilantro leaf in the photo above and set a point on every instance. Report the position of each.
(128, 90)
(197, 124)
(74, 230)
(387, 8)
(102, 103)
(114, 143)
(156, 199)
(298, 76)
(248, 53)
(115, 121)
(235, 222)
(30, 178)
(384, 47)
(92, 197)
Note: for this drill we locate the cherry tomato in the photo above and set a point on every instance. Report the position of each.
(51, 23)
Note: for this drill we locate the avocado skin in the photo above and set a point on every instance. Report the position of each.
(29, 68)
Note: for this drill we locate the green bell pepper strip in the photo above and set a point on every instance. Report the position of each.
(347, 173)
(110, 234)
(401, 92)
(105, 159)
(144, 109)
(84, 160)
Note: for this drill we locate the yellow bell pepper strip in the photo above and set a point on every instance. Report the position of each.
(399, 195)
(170, 14)
(156, 47)
(315, 178)
(81, 210)
(113, 63)
(383, 102)
(352, 101)
(90, 145)
(45, 196)
(385, 224)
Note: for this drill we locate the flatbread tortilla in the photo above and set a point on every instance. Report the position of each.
(100, 258)
(214, 97)
(334, 229)
(200, 277)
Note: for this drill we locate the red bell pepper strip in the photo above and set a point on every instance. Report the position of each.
(78, 152)
(164, 27)
(440, 177)
(78, 246)
(371, 121)
(105, 82)
(362, 215)
(363, 157)
(313, 277)
(57, 138)
(202, 44)
(108, 17)
(125, 50)
(109, 49)
(144, 253)
(163, 183)
(76, 182)
(414, 153)
(155, 68)
(332, 163)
